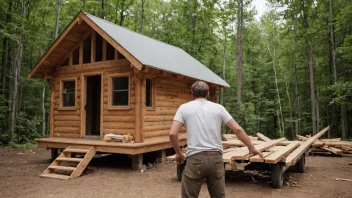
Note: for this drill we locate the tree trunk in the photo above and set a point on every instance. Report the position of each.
(311, 69)
(102, 9)
(5, 47)
(223, 69)
(279, 113)
(57, 19)
(17, 69)
(297, 96)
(239, 44)
(291, 116)
(142, 22)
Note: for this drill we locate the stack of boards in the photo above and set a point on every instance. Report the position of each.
(236, 154)
(329, 146)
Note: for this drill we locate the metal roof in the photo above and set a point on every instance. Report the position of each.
(157, 54)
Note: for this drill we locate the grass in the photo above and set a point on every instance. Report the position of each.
(28, 145)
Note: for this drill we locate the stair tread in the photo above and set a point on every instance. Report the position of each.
(68, 159)
(55, 176)
(63, 168)
(73, 150)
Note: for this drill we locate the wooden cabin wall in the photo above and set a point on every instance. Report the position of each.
(67, 123)
(171, 92)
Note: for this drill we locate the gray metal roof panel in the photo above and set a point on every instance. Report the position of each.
(157, 54)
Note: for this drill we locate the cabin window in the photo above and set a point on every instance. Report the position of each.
(149, 94)
(75, 56)
(68, 94)
(119, 95)
(110, 52)
(87, 50)
(120, 91)
(98, 48)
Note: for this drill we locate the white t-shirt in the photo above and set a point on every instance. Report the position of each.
(203, 121)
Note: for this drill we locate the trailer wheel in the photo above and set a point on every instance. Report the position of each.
(277, 175)
(179, 170)
(300, 165)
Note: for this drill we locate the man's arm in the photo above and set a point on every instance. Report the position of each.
(175, 128)
(241, 134)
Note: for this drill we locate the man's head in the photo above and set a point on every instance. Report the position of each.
(200, 89)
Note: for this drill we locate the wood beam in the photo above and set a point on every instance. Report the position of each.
(296, 154)
(135, 62)
(263, 137)
(93, 46)
(138, 90)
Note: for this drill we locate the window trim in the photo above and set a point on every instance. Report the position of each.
(61, 105)
(125, 107)
(153, 93)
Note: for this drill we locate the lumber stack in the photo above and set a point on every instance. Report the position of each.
(237, 154)
(329, 146)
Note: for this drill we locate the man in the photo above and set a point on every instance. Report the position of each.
(203, 121)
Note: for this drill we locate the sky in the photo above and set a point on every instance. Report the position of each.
(260, 7)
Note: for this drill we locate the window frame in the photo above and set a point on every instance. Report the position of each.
(61, 102)
(110, 87)
(153, 100)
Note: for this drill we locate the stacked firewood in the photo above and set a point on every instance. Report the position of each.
(329, 146)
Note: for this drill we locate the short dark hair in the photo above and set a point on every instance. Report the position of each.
(200, 89)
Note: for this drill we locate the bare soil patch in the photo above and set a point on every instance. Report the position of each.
(110, 176)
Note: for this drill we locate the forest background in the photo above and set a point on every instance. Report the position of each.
(290, 70)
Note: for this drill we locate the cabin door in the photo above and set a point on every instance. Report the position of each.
(93, 107)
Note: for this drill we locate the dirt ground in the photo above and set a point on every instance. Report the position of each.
(109, 176)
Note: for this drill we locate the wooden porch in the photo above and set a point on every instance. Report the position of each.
(149, 144)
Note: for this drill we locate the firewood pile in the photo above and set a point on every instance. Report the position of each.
(329, 146)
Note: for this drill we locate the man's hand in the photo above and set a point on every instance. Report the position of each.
(254, 151)
(180, 158)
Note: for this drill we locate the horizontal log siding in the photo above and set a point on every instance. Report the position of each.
(67, 123)
(170, 94)
(119, 121)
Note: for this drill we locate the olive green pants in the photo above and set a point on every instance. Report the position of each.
(200, 167)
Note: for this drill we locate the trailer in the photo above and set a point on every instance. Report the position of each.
(279, 155)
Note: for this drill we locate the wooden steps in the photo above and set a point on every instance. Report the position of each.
(57, 166)
(62, 168)
(55, 176)
(67, 159)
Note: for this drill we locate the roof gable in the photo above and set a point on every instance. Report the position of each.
(142, 50)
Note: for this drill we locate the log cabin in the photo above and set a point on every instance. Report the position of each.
(107, 79)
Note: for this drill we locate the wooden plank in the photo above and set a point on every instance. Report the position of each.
(257, 158)
(55, 176)
(52, 105)
(331, 140)
(93, 47)
(278, 155)
(104, 50)
(138, 135)
(296, 154)
(302, 137)
(263, 137)
(62, 168)
(239, 143)
(84, 163)
(244, 154)
(68, 159)
(74, 150)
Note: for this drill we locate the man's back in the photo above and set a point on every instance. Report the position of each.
(203, 121)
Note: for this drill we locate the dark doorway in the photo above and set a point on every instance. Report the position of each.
(93, 99)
